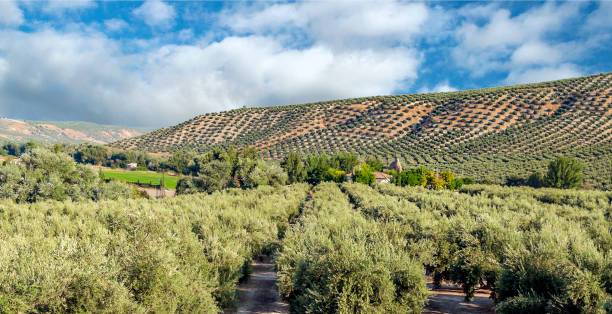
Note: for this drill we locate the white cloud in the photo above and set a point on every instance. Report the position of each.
(156, 13)
(185, 34)
(115, 25)
(599, 19)
(59, 76)
(536, 52)
(514, 43)
(59, 6)
(339, 24)
(271, 18)
(542, 74)
(442, 87)
(278, 53)
(10, 14)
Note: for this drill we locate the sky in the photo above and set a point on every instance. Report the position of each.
(157, 63)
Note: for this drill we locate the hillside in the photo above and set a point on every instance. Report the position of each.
(486, 133)
(64, 132)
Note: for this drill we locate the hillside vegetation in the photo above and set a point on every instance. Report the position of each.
(486, 134)
(64, 132)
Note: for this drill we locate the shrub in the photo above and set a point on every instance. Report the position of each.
(214, 176)
(375, 164)
(294, 166)
(536, 180)
(365, 175)
(564, 173)
(46, 175)
(336, 261)
(334, 175)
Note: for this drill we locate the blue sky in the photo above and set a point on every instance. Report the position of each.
(156, 63)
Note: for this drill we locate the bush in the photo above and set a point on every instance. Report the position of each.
(294, 166)
(536, 180)
(46, 175)
(375, 164)
(336, 261)
(183, 254)
(365, 175)
(334, 175)
(564, 173)
(214, 176)
(522, 304)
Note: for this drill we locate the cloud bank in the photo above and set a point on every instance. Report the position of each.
(278, 53)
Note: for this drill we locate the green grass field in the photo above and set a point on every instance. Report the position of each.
(145, 177)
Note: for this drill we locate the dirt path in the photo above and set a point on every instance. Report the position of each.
(259, 293)
(450, 299)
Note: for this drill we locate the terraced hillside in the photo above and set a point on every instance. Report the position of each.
(486, 133)
(64, 132)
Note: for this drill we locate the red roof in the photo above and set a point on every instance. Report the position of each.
(382, 176)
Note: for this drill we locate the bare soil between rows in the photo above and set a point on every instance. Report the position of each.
(260, 295)
(450, 299)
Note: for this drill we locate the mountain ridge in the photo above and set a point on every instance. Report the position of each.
(524, 124)
(64, 131)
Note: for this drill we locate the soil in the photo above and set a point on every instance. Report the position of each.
(450, 299)
(259, 294)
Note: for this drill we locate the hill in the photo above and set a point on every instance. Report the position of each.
(64, 132)
(486, 133)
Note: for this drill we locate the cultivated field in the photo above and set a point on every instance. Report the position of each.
(345, 248)
(485, 134)
(142, 177)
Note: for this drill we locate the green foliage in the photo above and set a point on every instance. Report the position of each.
(364, 175)
(536, 180)
(375, 164)
(535, 249)
(43, 175)
(180, 161)
(186, 186)
(16, 149)
(143, 177)
(522, 304)
(294, 166)
(316, 168)
(335, 175)
(91, 154)
(564, 173)
(215, 176)
(184, 254)
(415, 177)
(449, 179)
(336, 261)
(344, 162)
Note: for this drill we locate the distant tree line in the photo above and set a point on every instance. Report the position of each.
(224, 168)
(315, 169)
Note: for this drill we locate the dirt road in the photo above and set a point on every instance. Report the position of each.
(450, 299)
(259, 293)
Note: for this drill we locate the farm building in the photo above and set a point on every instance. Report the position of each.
(381, 177)
(131, 166)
